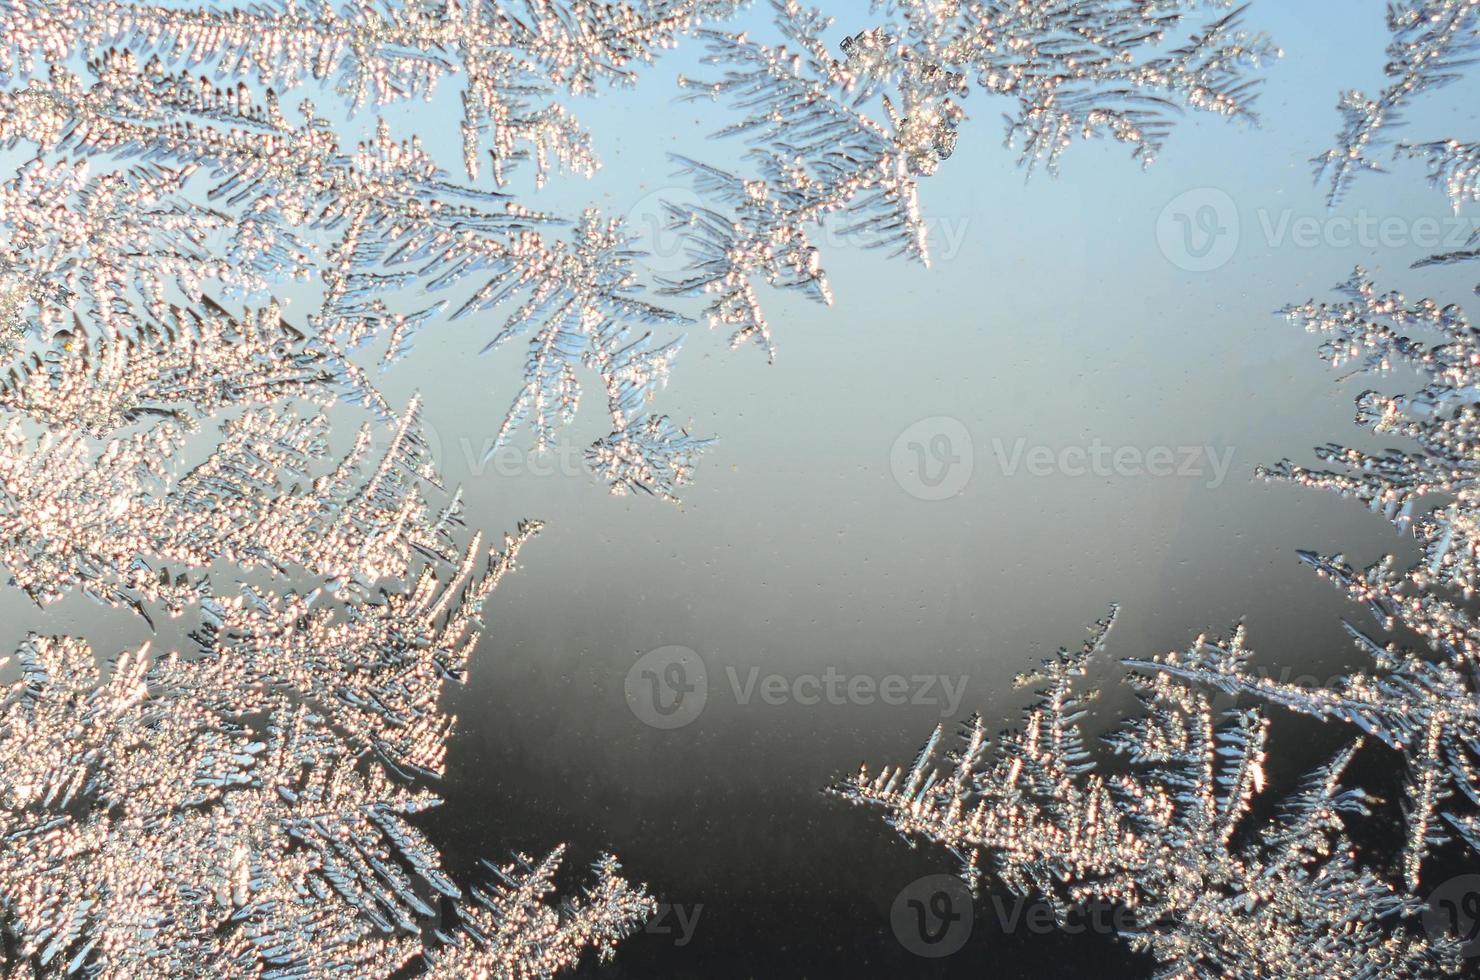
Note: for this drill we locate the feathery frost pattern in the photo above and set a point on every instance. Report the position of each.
(245, 805)
(1167, 836)
(1434, 41)
(847, 139)
(510, 60)
(1053, 826)
(1427, 707)
(243, 810)
(387, 238)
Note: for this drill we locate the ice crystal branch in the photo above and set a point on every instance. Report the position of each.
(585, 321)
(242, 811)
(107, 513)
(846, 139)
(510, 59)
(375, 226)
(246, 806)
(510, 930)
(1433, 42)
(1428, 708)
(1168, 837)
(1454, 166)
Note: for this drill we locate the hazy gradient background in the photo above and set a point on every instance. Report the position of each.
(1057, 321)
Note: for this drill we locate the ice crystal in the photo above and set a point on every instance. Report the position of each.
(1454, 166)
(1425, 707)
(94, 500)
(379, 228)
(511, 931)
(245, 805)
(1168, 837)
(1433, 42)
(242, 811)
(1160, 840)
(586, 321)
(510, 60)
(847, 138)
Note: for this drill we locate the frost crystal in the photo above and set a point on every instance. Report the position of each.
(377, 227)
(510, 59)
(243, 810)
(1427, 708)
(848, 138)
(585, 321)
(1168, 838)
(245, 805)
(94, 501)
(1433, 42)
(1053, 825)
(1453, 165)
